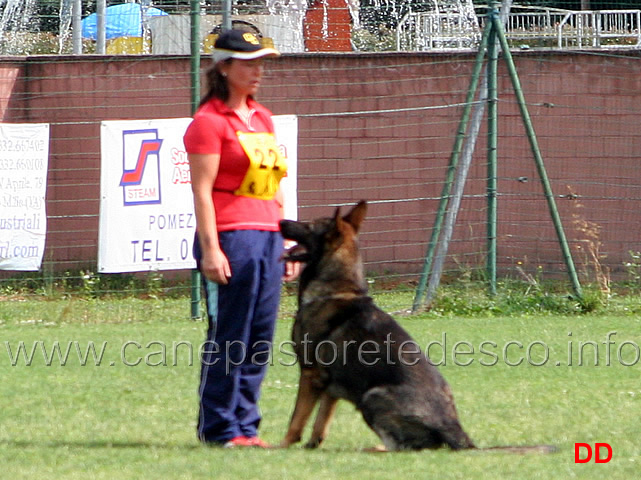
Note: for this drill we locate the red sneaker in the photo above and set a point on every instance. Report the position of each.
(243, 441)
(257, 442)
(240, 441)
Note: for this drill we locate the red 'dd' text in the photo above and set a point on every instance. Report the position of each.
(586, 450)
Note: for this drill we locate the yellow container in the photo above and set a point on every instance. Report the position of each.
(126, 45)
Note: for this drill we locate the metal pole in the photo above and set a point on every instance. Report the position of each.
(549, 196)
(226, 24)
(76, 29)
(194, 45)
(195, 100)
(101, 34)
(454, 158)
(492, 130)
(144, 22)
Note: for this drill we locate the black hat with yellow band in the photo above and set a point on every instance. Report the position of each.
(240, 45)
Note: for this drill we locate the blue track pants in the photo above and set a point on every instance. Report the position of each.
(242, 316)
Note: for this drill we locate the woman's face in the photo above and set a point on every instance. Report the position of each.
(243, 76)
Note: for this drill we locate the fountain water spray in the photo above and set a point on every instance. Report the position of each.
(15, 23)
(294, 13)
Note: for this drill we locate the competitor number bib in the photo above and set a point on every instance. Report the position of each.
(267, 165)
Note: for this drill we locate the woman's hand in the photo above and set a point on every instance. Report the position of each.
(215, 266)
(292, 271)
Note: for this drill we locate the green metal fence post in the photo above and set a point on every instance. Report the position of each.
(492, 128)
(195, 99)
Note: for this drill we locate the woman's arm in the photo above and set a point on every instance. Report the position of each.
(213, 264)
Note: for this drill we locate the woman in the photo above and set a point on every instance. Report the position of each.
(236, 167)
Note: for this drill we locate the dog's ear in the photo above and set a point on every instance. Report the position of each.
(356, 215)
(337, 218)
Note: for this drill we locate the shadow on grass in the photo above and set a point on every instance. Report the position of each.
(106, 444)
(98, 444)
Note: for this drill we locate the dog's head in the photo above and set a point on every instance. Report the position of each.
(323, 237)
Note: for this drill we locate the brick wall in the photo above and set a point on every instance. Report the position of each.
(585, 110)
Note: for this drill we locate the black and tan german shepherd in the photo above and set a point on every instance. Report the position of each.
(349, 348)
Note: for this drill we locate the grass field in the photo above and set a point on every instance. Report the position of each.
(130, 412)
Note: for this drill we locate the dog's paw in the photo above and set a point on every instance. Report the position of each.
(313, 443)
(376, 449)
(288, 440)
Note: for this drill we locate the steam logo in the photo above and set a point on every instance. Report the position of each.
(140, 179)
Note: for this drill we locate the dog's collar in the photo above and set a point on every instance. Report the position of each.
(336, 296)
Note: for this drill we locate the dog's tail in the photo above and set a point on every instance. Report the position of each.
(458, 440)
(520, 450)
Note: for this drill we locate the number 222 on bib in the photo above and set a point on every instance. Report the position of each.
(267, 165)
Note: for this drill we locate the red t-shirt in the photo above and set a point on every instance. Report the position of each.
(214, 131)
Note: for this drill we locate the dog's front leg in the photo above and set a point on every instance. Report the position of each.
(323, 419)
(306, 399)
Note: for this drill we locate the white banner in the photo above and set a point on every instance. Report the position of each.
(286, 130)
(146, 208)
(24, 156)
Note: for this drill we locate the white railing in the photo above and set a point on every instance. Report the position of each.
(526, 27)
(600, 29)
(437, 31)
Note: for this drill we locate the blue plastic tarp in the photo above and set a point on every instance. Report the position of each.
(123, 20)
